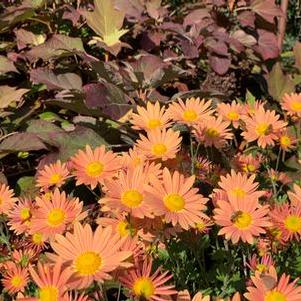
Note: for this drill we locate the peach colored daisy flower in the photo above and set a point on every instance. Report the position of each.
(7, 199)
(191, 112)
(231, 112)
(175, 198)
(151, 117)
(52, 175)
(36, 241)
(248, 163)
(264, 126)
(52, 280)
(241, 220)
(143, 284)
(288, 219)
(127, 193)
(20, 216)
(54, 217)
(93, 256)
(240, 186)
(261, 264)
(213, 132)
(76, 297)
(133, 158)
(291, 103)
(287, 140)
(93, 166)
(160, 144)
(15, 278)
(277, 176)
(295, 195)
(273, 289)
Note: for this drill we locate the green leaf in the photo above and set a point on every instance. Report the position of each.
(279, 83)
(26, 187)
(106, 21)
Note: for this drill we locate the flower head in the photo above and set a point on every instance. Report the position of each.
(291, 103)
(231, 112)
(7, 199)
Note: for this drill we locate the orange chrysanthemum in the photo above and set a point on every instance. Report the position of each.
(274, 289)
(52, 280)
(288, 219)
(295, 195)
(15, 278)
(291, 103)
(240, 187)
(175, 198)
(54, 216)
(145, 285)
(20, 216)
(160, 144)
(191, 112)
(248, 163)
(241, 220)
(264, 126)
(127, 193)
(231, 112)
(93, 256)
(287, 140)
(52, 175)
(93, 166)
(7, 199)
(151, 117)
(213, 132)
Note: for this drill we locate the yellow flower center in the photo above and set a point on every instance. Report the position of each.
(200, 226)
(88, 263)
(212, 133)
(143, 287)
(233, 115)
(293, 223)
(24, 214)
(296, 106)
(238, 192)
(274, 296)
(159, 149)
(47, 196)
(260, 267)
(37, 238)
(242, 220)
(55, 178)
(174, 202)
(154, 123)
(94, 169)
(285, 141)
(49, 293)
(190, 115)
(263, 129)
(123, 228)
(56, 217)
(131, 198)
(17, 281)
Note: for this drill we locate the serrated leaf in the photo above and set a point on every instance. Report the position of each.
(279, 83)
(106, 21)
(67, 81)
(6, 65)
(10, 94)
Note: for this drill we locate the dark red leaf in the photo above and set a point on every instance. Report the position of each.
(267, 45)
(219, 64)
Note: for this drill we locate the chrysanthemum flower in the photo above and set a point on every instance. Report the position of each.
(273, 290)
(191, 112)
(213, 132)
(160, 144)
(287, 140)
(15, 278)
(277, 176)
(52, 175)
(36, 241)
(76, 297)
(291, 103)
(295, 195)
(175, 198)
(127, 193)
(133, 158)
(145, 285)
(20, 216)
(23, 256)
(52, 280)
(93, 256)
(54, 216)
(288, 219)
(264, 126)
(151, 117)
(241, 220)
(240, 187)
(248, 163)
(93, 166)
(231, 112)
(262, 264)
(7, 199)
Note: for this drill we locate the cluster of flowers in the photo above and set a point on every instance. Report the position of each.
(150, 194)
